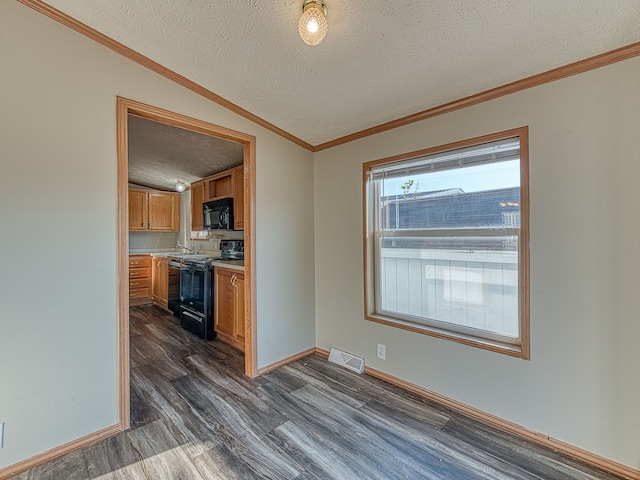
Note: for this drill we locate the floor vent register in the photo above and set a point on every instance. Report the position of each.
(346, 360)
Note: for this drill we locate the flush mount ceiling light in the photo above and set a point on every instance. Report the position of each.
(180, 186)
(313, 22)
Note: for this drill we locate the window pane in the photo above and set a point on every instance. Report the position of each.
(445, 250)
(464, 281)
(480, 196)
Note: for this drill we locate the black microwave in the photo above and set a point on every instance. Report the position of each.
(218, 214)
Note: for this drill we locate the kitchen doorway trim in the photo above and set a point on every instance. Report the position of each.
(124, 108)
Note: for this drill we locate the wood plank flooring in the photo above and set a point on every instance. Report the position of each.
(196, 416)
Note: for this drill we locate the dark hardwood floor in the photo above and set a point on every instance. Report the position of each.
(196, 416)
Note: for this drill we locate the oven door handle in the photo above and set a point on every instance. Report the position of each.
(191, 315)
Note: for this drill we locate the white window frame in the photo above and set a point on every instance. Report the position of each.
(518, 347)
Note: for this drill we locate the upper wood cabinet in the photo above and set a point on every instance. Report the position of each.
(154, 210)
(197, 199)
(227, 184)
(164, 211)
(238, 198)
(219, 185)
(138, 210)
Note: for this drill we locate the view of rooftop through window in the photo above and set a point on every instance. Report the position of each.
(468, 197)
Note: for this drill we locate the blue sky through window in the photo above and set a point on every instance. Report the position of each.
(491, 176)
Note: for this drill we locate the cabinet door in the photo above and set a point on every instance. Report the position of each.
(197, 198)
(224, 302)
(155, 278)
(239, 307)
(164, 211)
(220, 186)
(137, 210)
(160, 281)
(238, 199)
(163, 288)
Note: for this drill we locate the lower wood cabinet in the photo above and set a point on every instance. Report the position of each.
(139, 279)
(229, 306)
(160, 281)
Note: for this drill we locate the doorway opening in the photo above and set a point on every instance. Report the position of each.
(125, 110)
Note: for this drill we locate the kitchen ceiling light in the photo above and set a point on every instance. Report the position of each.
(313, 22)
(180, 186)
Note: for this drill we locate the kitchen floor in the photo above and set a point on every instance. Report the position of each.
(196, 416)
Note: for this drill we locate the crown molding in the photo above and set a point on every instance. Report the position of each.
(140, 59)
(559, 73)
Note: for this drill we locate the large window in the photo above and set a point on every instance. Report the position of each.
(446, 239)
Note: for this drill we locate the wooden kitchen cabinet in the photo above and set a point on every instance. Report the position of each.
(197, 199)
(239, 309)
(229, 306)
(224, 302)
(154, 210)
(227, 184)
(138, 210)
(164, 211)
(238, 198)
(160, 281)
(139, 279)
(219, 185)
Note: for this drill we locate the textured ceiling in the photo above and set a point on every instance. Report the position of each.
(381, 60)
(160, 155)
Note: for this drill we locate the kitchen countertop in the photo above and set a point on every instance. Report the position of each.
(230, 264)
(152, 251)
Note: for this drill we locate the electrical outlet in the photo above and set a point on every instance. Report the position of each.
(1, 434)
(382, 351)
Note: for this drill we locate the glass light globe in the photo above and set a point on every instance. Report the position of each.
(313, 24)
(180, 187)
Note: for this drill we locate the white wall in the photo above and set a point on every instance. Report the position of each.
(285, 256)
(58, 379)
(581, 384)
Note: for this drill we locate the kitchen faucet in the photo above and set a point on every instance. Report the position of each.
(193, 250)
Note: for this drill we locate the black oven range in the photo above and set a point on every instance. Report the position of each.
(196, 297)
(194, 304)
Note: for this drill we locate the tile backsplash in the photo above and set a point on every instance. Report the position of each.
(212, 244)
(166, 241)
(152, 240)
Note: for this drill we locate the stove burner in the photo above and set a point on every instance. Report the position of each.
(199, 260)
